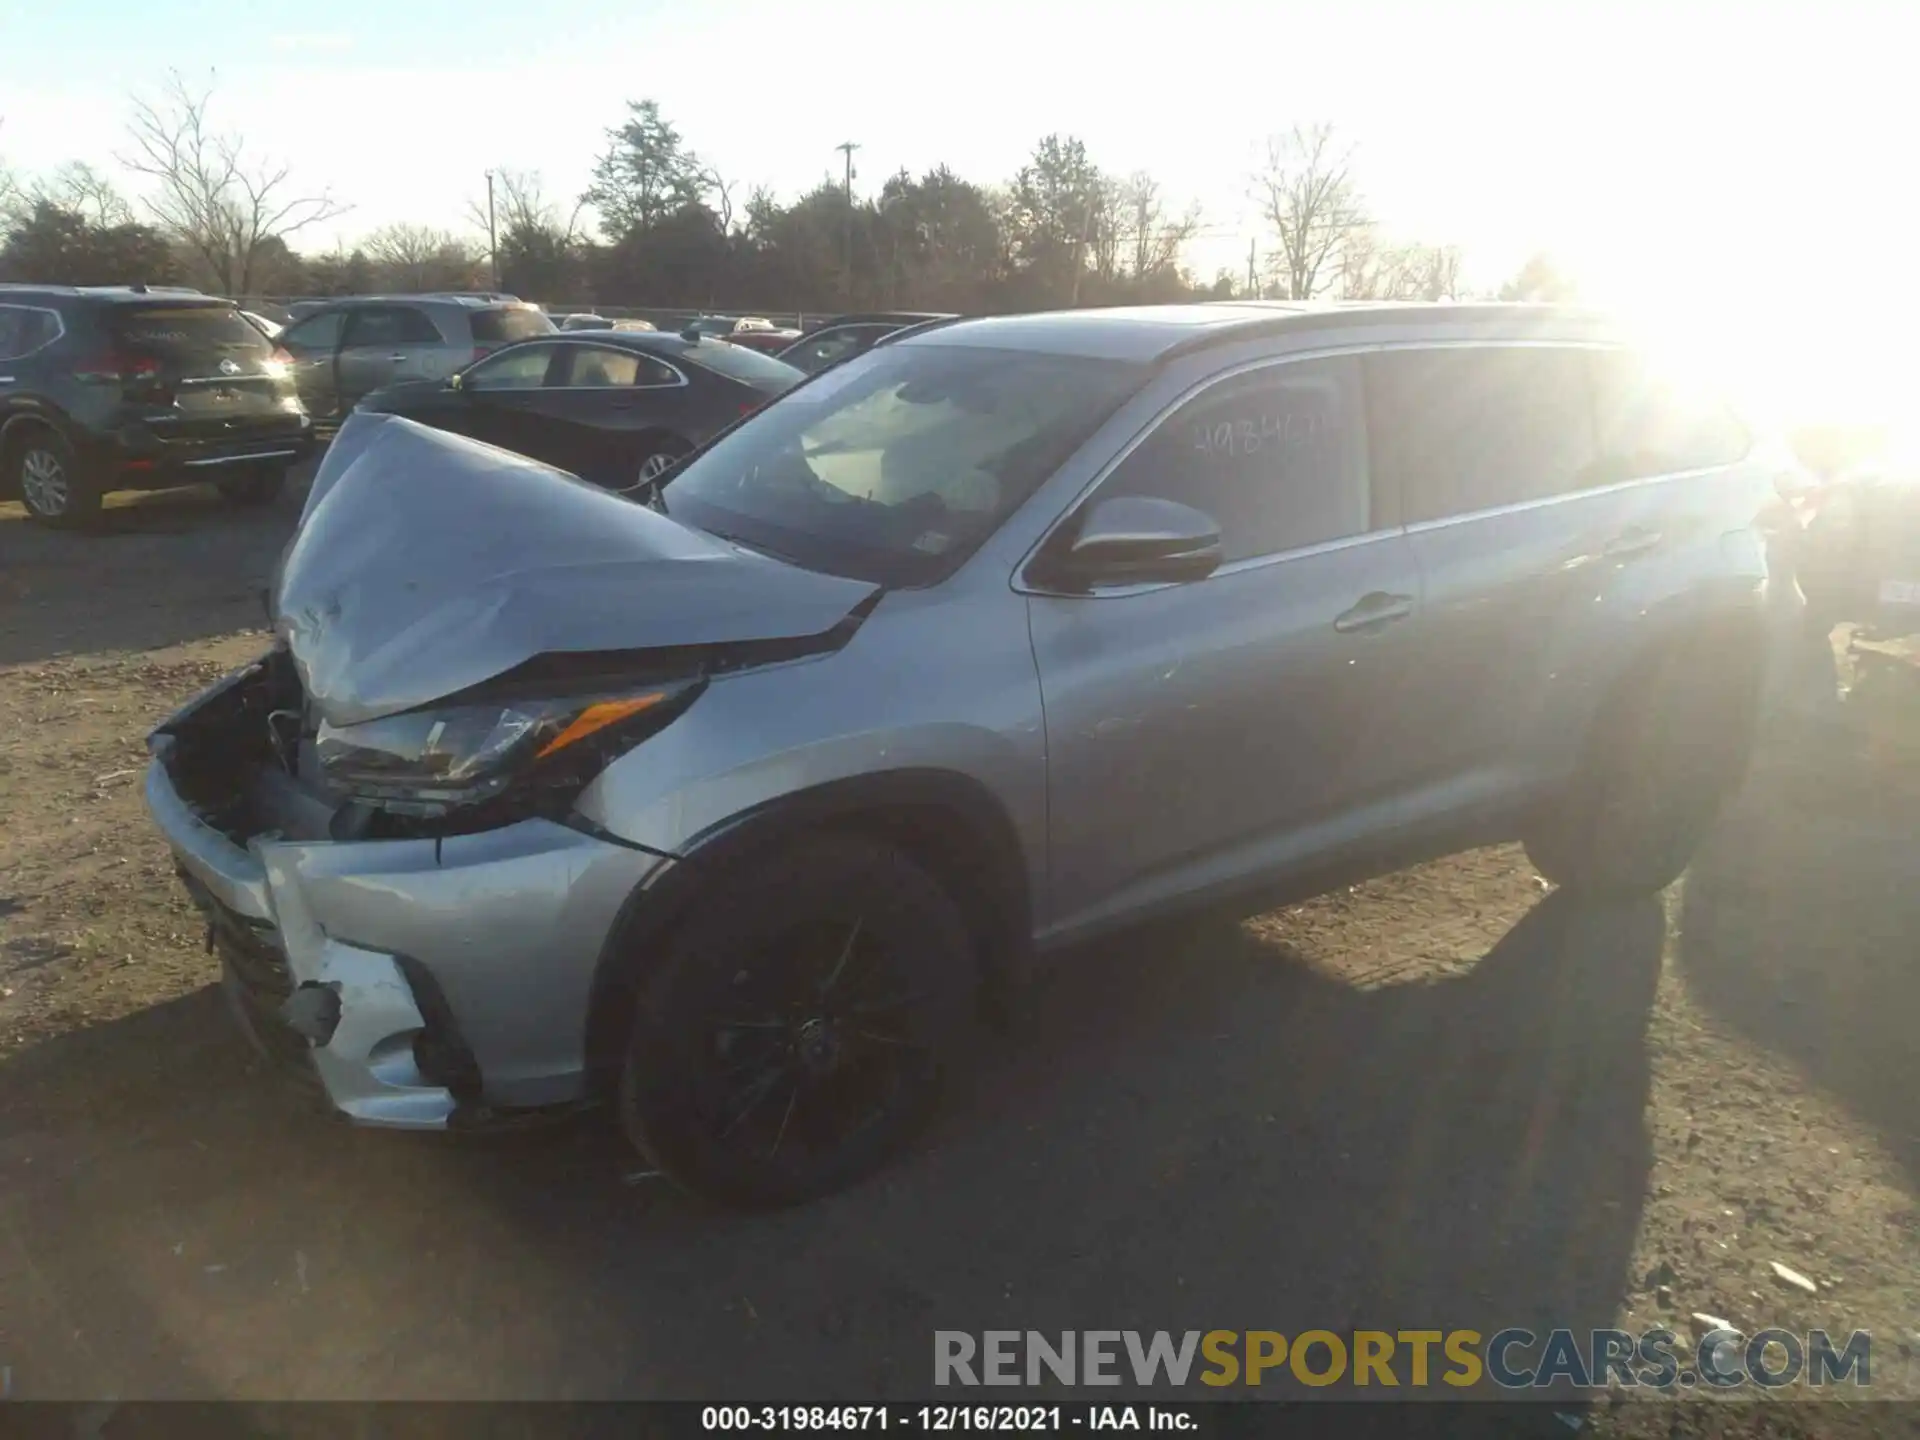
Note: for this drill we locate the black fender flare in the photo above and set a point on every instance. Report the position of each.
(21, 420)
(949, 823)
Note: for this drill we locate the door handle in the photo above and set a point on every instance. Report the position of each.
(1373, 611)
(1631, 541)
(398, 355)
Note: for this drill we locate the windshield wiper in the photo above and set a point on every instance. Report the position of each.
(755, 546)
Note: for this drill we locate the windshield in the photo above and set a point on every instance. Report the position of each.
(896, 465)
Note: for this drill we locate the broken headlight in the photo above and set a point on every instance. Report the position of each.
(429, 761)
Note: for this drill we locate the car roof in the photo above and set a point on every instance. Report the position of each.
(465, 302)
(1149, 333)
(112, 294)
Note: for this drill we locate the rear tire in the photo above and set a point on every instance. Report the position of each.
(794, 1032)
(53, 485)
(254, 489)
(1664, 756)
(658, 455)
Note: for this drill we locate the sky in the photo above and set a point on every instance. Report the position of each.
(1739, 171)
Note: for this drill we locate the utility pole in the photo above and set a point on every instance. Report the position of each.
(846, 149)
(1253, 286)
(493, 243)
(1080, 250)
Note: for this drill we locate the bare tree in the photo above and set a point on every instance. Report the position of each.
(1440, 272)
(539, 253)
(722, 192)
(417, 257)
(522, 206)
(1307, 196)
(1157, 239)
(217, 201)
(81, 190)
(1106, 229)
(1369, 270)
(12, 197)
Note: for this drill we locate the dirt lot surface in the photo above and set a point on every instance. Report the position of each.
(1444, 1099)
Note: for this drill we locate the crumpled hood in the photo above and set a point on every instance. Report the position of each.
(426, 563)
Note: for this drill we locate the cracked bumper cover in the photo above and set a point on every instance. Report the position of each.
(508, 924)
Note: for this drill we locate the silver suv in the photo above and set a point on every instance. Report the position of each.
(726, 806)
(352, 347)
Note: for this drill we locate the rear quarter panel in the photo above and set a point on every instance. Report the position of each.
(1709, 570)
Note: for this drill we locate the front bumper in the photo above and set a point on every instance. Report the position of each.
(482, 946)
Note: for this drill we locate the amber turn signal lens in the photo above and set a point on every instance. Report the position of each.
(598, 717)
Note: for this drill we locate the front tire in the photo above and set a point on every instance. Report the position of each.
(53, 485)
(793, 1034)
(1663, 757)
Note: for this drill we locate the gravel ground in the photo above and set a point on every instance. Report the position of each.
(1446, 1098)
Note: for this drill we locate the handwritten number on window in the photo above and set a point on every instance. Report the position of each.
(1253, 435)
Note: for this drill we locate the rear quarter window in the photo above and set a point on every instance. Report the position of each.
(502, 327)
(749, 367)
(1653, 420)
(23, 331)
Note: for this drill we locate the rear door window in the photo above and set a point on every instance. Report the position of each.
(376, 325)
(1277, 457)
(1460, 430)
(597, 367)
(317, 332)
(1652, 423)
(601, 367)
(23, 331)
(502, 327)
(190, 338)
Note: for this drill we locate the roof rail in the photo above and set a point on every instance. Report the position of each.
(1295, 316)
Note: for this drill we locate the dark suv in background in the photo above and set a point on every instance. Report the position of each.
(355, 346)
(112, 388)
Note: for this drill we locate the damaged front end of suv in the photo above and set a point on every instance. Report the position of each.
(378, 817)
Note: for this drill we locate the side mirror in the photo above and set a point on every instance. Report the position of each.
(1137, 540)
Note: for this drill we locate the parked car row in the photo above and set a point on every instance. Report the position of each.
(618, 413)
(752, 331)
(725, 803)
(353, 347)
(616, 407)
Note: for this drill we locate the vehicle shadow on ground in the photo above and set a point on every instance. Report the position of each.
(1191, 1131)
(1827, 973)
(158, 569)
